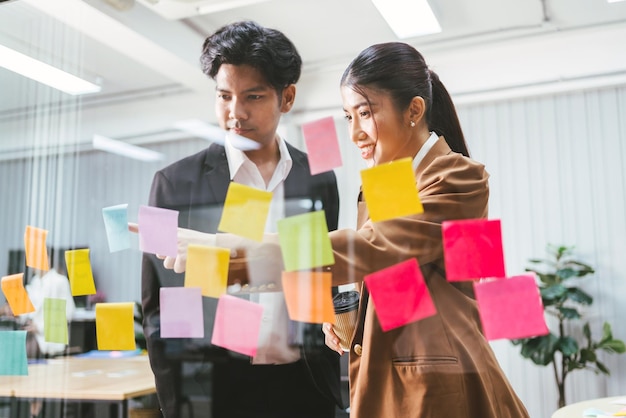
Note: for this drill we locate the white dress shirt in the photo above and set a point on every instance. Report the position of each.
(273, 345)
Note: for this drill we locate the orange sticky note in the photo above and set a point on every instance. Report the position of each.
(207, 268)
(16, 295)
(390, 190)
(245, 211)
(309, 296)
(79, 272)
(115, 326)
(35, 246)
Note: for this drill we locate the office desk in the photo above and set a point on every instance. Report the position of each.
(576, 410)
(114, 380)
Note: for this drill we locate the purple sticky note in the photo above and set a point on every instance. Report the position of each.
(237, 325)
(322, 145)
(181, 312)
(510, 308)
(158, 230)
(400, 295)
(473, 249)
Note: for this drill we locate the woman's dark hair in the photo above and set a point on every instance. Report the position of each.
(400, 70)
(248, 43)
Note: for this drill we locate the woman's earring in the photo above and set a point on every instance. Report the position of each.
(412, 124)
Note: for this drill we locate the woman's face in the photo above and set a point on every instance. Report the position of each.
(375, 126)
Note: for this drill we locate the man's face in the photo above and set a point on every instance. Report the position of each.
(248, 105)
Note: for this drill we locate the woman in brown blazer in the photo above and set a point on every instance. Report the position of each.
(440, 366)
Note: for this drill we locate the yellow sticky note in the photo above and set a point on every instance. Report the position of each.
(115, 326)
(207, 268)
(35, 247)
(79, 272)
(245, 211)
(390, 190)
(16, 295)
(309, 296)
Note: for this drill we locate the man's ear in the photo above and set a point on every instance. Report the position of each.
(288, 97)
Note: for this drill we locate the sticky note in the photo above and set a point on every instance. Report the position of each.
(16, 295)
(322, 145)
(207, 268)
(399, 294)
(116, 226)
(390, 190)
(35, 248)
(181, 312)
(13, 360)
(510, 308)
(115, 326)
(473, 249)
(237, 325)
(55, 320)
(158, 231)
(245, 211)
(304, 241)
(79, 272)
(308, 295)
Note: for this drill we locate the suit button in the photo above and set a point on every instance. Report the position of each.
(358, 350)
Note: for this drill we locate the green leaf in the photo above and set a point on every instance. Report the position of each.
(587, 331)
(540, 349)
(566, 273)
(613, 346)
(602, 368)
(568, 346)
(606, 332)
(579, 296)
(548, 279)
(587, 356)
(553, 292)
(569, 313)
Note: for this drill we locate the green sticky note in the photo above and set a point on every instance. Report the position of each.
(245, 211)
(304, 241)
(13, 348)
(55, 320)
(390, 190)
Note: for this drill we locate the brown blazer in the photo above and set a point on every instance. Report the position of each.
(440, 366)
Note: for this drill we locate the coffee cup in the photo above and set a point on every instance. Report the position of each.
(346, 314)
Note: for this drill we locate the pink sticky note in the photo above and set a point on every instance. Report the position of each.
(322, 145)
(473, 249)
(237, 325)
(510, 308)
(158, 230)
(181, 312)
(400, 295)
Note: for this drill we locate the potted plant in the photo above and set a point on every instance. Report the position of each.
(562, 300)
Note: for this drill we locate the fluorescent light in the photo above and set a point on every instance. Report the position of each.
(44, 73)
(127, 150)
(216, 134)
(408, 18)
(226, 5)
(614, 1)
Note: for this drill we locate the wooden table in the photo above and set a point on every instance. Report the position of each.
(576, 410)
(114, 380)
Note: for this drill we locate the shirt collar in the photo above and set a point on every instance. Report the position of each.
(237, 158)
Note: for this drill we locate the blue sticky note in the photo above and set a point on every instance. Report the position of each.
(13, 360)
(116, 225)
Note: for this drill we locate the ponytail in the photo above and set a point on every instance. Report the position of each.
(442, 117)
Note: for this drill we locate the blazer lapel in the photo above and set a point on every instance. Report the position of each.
(216, 173)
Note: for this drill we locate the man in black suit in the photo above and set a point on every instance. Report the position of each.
(294, 373)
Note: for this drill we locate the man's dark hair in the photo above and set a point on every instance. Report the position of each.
(248, 43)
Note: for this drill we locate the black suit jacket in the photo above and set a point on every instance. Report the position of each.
(196, 186)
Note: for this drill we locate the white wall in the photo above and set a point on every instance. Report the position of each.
(557, 167)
